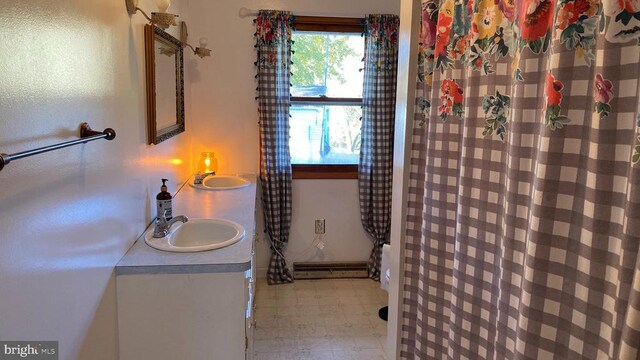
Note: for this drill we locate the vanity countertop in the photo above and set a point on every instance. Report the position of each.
(236, 205)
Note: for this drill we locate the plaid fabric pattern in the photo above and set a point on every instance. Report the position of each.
(378, 115)
(527, 248)
(274, 60)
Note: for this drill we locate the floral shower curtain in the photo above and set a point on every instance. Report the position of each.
(523, 221)
(273, 44)
(378, 115)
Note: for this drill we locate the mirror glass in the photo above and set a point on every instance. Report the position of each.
(165, 84)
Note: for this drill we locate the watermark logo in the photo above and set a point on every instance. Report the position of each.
(31, 350)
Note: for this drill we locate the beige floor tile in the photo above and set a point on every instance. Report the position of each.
(311, 331)
(346, 330)
(343, 343)
(313, 355)
(310, 320)
(302, 293)
(345, 293)
(326, 285)
(266, 311)
(373, 309)
(288, 343)
(266, 322)
(260, 355)
(290, 332)
(370, 292)
(327, 299)
(320, 319)
(355, 309)
(360, 330)
(287, 301)
(284, 286)
(264, 334)
(367, 342)
(382, 339)
(286, 322)
(288, 310)
(314, 343)
(343, 354)
(284, 293)
(343, 283)
(304, 285)
(308, 301)
(337, 320)
(266, 345)
(269, 302)
(265, 294)
(380, 329)
(331, 310)
(348, 300)
(312, 310)
(358, 320)
(369, 354)
(332, 331)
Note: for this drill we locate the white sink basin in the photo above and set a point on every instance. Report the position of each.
(197, 235)
(222, 182)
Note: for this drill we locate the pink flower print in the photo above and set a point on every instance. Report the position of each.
(602, 91)
(602, 94)
(508, 8)
(428, 30)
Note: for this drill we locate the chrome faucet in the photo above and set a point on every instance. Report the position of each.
(162, 226)
(197, 178)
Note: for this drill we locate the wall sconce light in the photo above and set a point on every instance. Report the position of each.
(202, 50)
(161, 19)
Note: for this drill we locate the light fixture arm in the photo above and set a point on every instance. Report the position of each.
(190, 47)
(143, 13)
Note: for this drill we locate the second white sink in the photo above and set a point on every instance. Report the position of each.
(197, 235)
(222, 182)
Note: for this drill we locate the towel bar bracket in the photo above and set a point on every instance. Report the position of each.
(86, 131)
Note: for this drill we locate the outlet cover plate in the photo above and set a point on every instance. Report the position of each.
(319, 226)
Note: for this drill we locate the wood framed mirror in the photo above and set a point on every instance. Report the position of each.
(165, 84)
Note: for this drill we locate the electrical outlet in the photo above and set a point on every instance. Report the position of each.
(319, 226)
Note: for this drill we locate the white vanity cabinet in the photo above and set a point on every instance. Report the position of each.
(250, 322)
(191, 306)
(184, 316)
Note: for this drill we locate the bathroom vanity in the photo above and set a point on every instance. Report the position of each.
(195, 305)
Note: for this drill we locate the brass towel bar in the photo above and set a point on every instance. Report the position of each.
(86, 135)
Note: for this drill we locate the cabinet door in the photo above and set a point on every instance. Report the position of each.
(250, 292)
(178, 316)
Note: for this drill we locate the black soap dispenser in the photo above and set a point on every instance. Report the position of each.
(163, 202)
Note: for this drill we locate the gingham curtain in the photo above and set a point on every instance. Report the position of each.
(523, 219)
(378, 114)
(273, 44)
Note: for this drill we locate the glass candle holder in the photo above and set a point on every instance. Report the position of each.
(207, 162)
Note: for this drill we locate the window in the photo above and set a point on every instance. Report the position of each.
(326, 102)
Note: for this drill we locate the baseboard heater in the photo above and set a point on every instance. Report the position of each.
(330, 270)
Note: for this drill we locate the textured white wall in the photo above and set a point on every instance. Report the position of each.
(67, 217)
(225, 115)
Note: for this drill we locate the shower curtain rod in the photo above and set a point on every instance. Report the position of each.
(244, 12)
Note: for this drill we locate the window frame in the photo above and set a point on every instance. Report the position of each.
(335, 25)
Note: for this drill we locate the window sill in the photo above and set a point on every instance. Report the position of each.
(337, 172)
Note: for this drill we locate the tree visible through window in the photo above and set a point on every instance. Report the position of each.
(326, 98)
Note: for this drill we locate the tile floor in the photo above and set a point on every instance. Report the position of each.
(320, 319)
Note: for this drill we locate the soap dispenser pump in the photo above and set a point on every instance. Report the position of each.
(163, 202)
